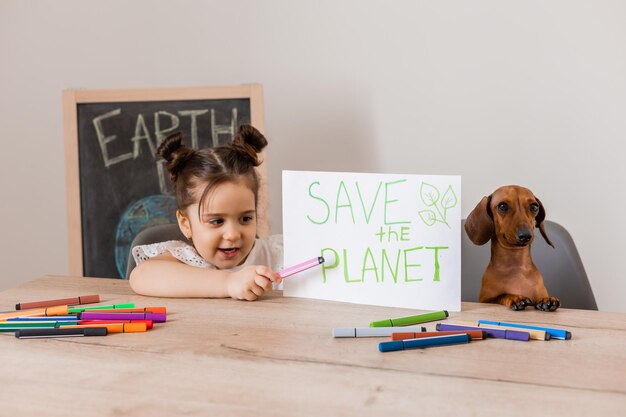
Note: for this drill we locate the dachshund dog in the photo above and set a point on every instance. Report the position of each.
(508, 217)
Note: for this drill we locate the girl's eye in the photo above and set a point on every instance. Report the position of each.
(534, 207)
(246, 219)
(503, 207)
(215, 222)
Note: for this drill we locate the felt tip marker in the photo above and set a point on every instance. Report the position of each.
(52, 333)
(94, 315)
(74, 310)
(287, 272)
(148, 323)
(495, 333)
(534, 334)
(554, 333)
(43, 312)
(474, 334)
(159, 310)
(13, 326)
(423, 343)
(374, 331)
(407, 321)
(111, 327)
(83, 299)
(51, 318)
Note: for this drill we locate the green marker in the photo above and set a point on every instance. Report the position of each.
(13, 326)
(109, 307)
(407, 321)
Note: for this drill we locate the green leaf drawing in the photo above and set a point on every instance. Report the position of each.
(449, 198)
(429, 194)
(428, 217)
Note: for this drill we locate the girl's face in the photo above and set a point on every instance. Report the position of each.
(225, 233)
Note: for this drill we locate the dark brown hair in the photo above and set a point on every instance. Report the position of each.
(189, 168)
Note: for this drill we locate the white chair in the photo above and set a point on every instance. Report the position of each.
(153, 234)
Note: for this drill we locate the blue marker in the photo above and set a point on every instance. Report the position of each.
(555, 333)
(49, 318)
(424, 342)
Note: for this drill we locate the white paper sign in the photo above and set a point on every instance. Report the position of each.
(395, 239)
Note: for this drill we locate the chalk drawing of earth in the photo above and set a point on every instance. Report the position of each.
(146, 212)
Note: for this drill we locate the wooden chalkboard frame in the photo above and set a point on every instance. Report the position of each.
(73, 97)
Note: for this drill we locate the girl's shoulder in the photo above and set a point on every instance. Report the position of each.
(180, 250)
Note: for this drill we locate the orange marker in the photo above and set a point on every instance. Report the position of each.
(36, 312)
(148, 323)
(112, 327)
(159, 310)
(474, 334)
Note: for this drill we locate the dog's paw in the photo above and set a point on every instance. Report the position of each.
(548, 304)
(517, 302)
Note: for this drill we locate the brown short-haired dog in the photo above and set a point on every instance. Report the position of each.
(508, 218)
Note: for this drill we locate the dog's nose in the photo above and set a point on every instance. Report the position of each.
(524, 236)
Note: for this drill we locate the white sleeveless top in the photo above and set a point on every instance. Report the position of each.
(266, 251)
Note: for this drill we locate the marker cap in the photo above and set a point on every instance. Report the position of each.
(134, 327)
(56, 311)
(391, 346)
(344, 332)
(89, 299)
(381, 323)
(515, 335)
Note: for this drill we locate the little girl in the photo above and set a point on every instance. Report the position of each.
(216, 193)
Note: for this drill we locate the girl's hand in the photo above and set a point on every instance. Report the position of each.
(251, 282)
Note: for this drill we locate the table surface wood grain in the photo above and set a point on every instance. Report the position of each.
(277, 356)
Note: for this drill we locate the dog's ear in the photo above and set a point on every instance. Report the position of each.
(479, 224)
(541, 216)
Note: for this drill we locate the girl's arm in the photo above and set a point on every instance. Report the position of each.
(166, 276)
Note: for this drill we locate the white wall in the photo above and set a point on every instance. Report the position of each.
(527, 92)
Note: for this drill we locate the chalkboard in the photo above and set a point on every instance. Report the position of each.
(115, 185)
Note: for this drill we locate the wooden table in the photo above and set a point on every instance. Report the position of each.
(277, 357)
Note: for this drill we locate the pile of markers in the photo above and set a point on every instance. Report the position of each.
(77, 317)
(406, 333)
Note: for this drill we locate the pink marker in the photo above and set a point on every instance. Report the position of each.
(287, 272)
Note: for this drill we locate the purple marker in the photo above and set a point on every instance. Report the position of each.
(495, 333)
(93, 315)
(287, 272)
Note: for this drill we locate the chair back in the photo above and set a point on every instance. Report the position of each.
(153, 234)
(562, 269)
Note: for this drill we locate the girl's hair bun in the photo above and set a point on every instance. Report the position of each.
(175, 154)
(249, 142)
